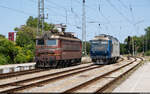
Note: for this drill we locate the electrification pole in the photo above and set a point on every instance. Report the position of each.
(143, 45)
(41, 16)
(84, 30)
(146, 42)
(132, 46)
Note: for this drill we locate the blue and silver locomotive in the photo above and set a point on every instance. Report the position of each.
(104, 49)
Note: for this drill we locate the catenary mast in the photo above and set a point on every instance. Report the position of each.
(84, 29)
(41, 16)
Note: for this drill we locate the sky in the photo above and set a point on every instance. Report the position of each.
(118, 18)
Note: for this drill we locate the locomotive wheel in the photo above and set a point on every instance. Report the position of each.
(55, 64)
(79, 61)
(59, 64)
(67, 63)
(63, 64)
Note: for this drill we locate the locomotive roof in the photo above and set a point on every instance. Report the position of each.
(58, 35)
(104, 37)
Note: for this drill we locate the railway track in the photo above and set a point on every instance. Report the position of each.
(46, 79)
(107, 79)
(37, 81)
(19, 73)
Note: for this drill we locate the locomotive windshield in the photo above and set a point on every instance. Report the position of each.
(51, 42)
(40, 42)
(100, 45)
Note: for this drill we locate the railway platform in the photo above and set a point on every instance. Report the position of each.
(16, 67)
(27, 66)
(139, 81)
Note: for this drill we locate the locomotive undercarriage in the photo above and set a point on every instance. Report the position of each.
(57, 63)
(104, 60)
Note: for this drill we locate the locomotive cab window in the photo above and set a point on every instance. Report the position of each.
(99, 45)
(51, 42)
(40, 42)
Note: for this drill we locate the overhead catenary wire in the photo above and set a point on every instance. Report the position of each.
(17, 10)
(120, 13)
(61, 7)
(75, 14)
(91, 8)
(101, 13)
(86, 7)
(123, 5)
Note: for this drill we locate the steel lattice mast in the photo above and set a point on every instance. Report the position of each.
(41, 17)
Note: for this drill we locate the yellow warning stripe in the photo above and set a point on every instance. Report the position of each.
(54, 54)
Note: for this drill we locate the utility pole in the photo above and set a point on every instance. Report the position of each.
(83, 30)
(143, 45)
(41, 16)
(132, 46)
(146, 42)
(131, 10)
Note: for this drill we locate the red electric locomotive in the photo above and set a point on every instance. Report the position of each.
(56, 50)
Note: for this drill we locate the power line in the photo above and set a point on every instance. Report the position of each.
(57, 12)
(61, 7)
(86, 7)
(101, 13)
(119, 12)
(16, 10)
(48, 3)
(76, 16)
(123, 4)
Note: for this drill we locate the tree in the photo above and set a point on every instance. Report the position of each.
(88, 47)
(26, 35)
(140, 43)
(24, 48)
(2, 36)
(123, 49)
(32, 22)
(7, 50)
(3, 60)
(147, 37)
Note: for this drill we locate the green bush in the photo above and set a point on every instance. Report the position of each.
(8, 50)
(147, 53)
(3, 60)
(21, 57)
(29, 55)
